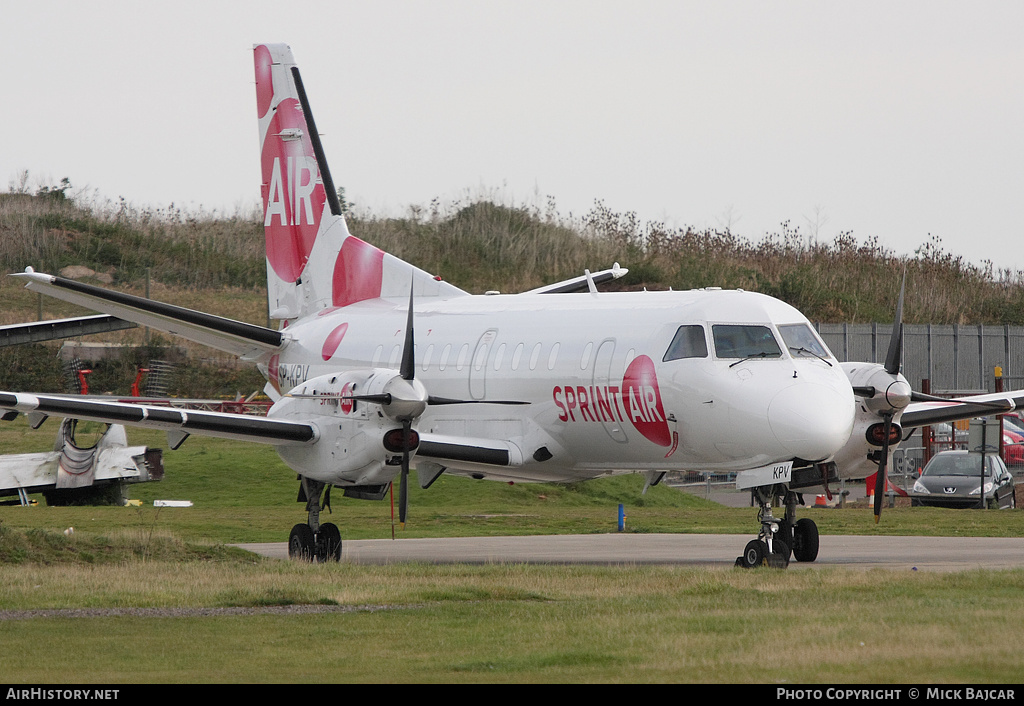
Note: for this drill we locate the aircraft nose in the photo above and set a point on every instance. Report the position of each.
(811, 421)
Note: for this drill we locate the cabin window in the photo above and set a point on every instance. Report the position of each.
(732, 341)
(517, 355)
(800, 340)
(553, 357)
(463, 354)
(444, 356)
(499, 356)
(534, 356)
(377, 355)
(689, 342)
(427, 356)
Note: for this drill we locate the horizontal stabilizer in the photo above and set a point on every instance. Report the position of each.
(239, 338)
(581, 283)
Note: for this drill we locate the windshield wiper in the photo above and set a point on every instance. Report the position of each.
(801, 349)
(762, 354)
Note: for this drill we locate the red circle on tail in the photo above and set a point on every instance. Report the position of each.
(293, 195)
(264, 80)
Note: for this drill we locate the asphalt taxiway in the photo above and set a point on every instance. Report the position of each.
(710, 550)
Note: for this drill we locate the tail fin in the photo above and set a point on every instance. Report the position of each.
(313, 262)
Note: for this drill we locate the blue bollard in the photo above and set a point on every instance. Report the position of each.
(622, 518)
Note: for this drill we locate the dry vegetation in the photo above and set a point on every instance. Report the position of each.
(215, 262)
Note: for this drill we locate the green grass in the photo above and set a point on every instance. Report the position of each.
(242, 492)
(461, 624)
(523, 624)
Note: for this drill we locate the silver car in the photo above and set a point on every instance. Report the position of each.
(953, 479)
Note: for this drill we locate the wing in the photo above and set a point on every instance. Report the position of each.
(245, 340)
(919, 414)
(178, 423)
(16, 334)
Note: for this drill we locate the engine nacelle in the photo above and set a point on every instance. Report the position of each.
(876, 389)
(358, 442)
(889, 393)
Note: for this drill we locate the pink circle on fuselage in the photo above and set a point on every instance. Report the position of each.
(333, 341)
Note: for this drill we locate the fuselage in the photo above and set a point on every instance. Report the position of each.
(614, 382)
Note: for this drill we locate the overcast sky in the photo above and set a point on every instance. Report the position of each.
(896, 120)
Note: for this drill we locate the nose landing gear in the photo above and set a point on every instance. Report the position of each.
(777, 538)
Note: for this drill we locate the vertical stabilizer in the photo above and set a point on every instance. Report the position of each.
(313, 262)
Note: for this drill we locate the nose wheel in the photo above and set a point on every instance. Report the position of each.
(779, 538)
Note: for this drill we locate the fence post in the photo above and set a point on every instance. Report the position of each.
(999, 388)
(926, 431)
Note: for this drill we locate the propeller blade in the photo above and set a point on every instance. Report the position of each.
(384, 398)
(882, 467)
(403, 486)
(408, 367)
(894, 355)
(432, 400)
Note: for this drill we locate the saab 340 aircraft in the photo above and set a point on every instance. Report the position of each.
(562, 383)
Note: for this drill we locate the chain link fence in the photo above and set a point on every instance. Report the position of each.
(954, 358)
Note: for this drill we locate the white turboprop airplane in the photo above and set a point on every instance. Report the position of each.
(561, 383)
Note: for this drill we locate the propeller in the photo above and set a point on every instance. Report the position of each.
(413, 408)
(893, 363)
(406, 371)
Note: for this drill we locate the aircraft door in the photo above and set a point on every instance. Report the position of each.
(605, 402)
(478, 364)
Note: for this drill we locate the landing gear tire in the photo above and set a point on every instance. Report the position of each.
(779, 559)
(328, 543)
(805, 540)
(785, 534)
(301, 543)
(754, 554)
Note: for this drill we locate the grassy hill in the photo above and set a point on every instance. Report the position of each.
(215, 263)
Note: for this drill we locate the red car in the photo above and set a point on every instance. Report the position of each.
(1013, 448)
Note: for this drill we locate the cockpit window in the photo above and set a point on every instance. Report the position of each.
(800, 340)
(689, 342)
(733, 341)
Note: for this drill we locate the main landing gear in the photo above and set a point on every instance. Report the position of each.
(321, 542)
(779, 538)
